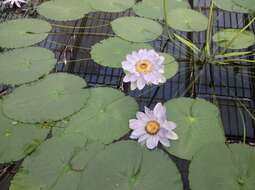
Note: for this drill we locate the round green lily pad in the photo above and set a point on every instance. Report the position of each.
(187, 20)
(25, 65)
(246, 4)
(241, 40)
(57, 164)
(59, 128)
(23, 32)
(128, 166)
(105, 117)
(64, 10)
(111, 5)
(50, 99)
(17, 140)
(229, 5)
(198, 123)
(136, 29)
(154, 8)
(227, 168)
(171, 66)
(111, 52)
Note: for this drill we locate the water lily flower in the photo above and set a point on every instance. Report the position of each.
(152, 127)
(144, 67)
(16, 2)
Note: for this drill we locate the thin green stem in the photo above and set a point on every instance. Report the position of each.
(235, 36)
(80, 27)
(73, 33)
(188, 43)
(172, 36)
(240, 60)
(244, 126)
(73, 61)
(234, 54)
(166, 19)
(209, 31)
(80, 33)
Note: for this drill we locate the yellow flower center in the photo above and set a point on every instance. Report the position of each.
(152, 127)
(143, 66)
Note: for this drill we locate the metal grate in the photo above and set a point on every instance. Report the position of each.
(229, 86)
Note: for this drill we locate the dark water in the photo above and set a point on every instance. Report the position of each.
(229, 86)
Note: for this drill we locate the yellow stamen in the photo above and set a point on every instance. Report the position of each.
(143, 66)
(152, 127)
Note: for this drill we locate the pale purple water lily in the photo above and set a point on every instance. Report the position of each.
(152, 127)
(16, 2)
(144, 67)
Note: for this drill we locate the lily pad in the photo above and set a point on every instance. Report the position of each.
(171, 66)
(242, 40)
(111, 52)
(57, 164)
(23, 32)
(64, 10)
(17, 140)
(103, 119)
(50, 99)
(59, 128)
(136, 29)
(111, 5)
(128, 166)
(25, 65)
(154, 8)
(229, 5)
(247, 4)
(198, 123)
(187, 20)
(227, 168)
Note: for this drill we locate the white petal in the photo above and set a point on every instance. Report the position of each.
(164, 141)
(162, 79)
(162, 59)
(135, 123)
(142, 116)
(132, 58)
(133, 137)
(140, 83)
(130, 78)
(133, 85)
(169, 125)
(172, 135)
(17, 3)
(160, 112)
(139, 132)
(159, 108)
(151, 77)
(162, 132)
(152, 142)
(142, 139)
(149, 113)
(12, 2)
(127, 66)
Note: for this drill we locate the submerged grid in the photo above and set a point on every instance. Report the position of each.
(228, 87)
(231, 87)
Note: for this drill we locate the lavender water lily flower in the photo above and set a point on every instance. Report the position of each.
(152, 127)
(16, 2)
(144, 67)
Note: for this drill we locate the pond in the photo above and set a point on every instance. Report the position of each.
(80, 94)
